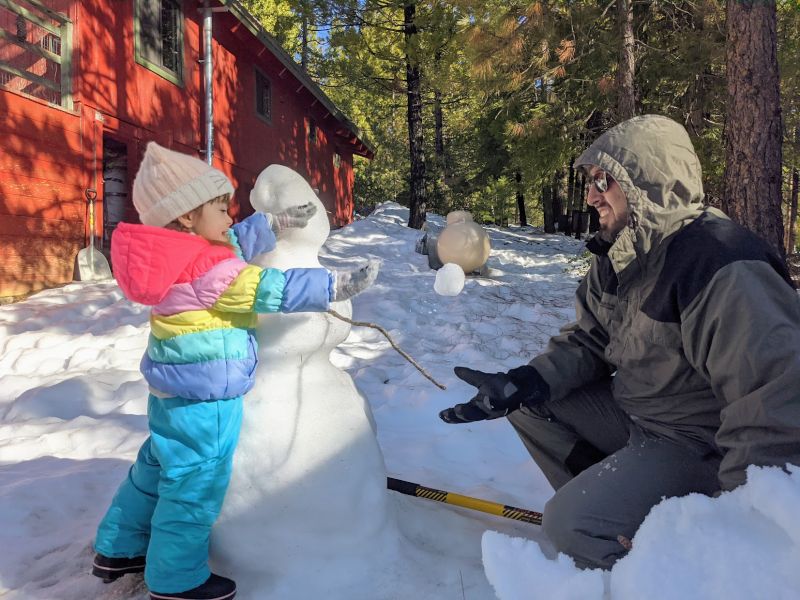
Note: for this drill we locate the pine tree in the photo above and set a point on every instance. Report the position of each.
(753, 131)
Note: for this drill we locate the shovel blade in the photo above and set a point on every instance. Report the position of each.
(92, 265)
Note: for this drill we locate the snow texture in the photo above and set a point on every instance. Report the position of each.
(73, 415)
(743, 545)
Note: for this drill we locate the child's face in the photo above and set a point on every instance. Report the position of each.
(211, 222)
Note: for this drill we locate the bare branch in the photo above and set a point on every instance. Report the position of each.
(391, 341)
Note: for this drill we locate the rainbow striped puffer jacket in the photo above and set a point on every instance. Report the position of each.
(205, 299)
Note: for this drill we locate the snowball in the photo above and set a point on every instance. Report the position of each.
(449, 280)
(465, 244)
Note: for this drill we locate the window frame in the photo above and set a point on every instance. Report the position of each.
(141, 59)
(260, 75)
(312, 131)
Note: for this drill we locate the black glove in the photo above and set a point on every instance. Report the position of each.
(498, 394)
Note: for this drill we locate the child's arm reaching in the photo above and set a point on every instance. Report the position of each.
(256, 234)
(295, 290)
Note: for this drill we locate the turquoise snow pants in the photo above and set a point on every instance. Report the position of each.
(174, 491)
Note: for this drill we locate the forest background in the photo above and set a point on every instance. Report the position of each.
(483, 105)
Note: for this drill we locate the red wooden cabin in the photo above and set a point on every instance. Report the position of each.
(85, 84)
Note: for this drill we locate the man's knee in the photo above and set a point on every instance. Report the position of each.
(576, 531)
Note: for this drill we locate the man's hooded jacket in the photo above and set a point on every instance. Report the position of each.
(696, 316)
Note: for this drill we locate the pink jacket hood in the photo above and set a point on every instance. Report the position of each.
(149, 260)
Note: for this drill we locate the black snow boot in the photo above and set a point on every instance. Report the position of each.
(109, 569)
(215, 588)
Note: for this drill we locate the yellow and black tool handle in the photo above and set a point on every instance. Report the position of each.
(493, 508)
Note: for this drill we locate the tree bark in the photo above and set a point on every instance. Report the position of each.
(418, 197)
(304, 19)
(558, 200)
(791, 240)
(547, 209)
(753, 130)
(571, 202)
(304, 42)
(440, 160)
(438, 117)
(626, 99)
(523, 217)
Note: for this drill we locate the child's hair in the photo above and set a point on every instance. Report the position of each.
(176, 225)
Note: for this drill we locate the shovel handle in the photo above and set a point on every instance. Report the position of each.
(91, 196)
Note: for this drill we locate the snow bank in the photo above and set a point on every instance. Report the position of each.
(743, 545)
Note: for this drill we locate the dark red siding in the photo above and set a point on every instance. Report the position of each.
(49, 156)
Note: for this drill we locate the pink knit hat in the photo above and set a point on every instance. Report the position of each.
(170, 184)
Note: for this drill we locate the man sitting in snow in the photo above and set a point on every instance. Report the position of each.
(682, 367)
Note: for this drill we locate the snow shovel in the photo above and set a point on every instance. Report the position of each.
(92, 265)
(493, 508)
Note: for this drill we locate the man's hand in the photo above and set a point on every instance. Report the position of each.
(498, 394)
(294, 216)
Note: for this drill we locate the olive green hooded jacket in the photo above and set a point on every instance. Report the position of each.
(696, 315)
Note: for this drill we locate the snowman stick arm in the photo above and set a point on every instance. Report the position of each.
(391, 341)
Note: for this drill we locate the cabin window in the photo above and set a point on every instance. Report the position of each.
(263, 96)
(159, 37)
(36, 51)
(312, 131)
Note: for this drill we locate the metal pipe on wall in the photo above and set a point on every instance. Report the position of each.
(208, 70)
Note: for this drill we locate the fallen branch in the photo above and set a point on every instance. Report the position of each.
(391, 341)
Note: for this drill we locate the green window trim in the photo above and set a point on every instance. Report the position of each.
(42, 16)
(175, 77)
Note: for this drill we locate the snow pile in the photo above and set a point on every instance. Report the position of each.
(73, 414)
(743, 545)
(518, 570)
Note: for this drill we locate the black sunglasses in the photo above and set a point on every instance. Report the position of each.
(601, 181)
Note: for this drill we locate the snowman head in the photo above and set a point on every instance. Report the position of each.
(276, 189)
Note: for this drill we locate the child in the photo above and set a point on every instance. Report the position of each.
(189, 265)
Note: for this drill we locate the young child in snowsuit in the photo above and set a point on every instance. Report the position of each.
(188, 263)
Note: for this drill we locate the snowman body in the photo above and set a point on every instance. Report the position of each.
(309, 482)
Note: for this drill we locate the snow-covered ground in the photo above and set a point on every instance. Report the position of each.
(73, 404)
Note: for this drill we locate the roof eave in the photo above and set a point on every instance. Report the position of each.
(356, 140)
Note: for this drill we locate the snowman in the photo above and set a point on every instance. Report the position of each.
(308, 489)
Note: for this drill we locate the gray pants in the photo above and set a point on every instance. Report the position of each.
(607, 471)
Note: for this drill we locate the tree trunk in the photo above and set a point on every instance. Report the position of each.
(418, 197)
(440, 163)
(582, 192)
(752, 189)
(696, 97)
(438, 117)
(571, 202)
(547, 209)
(558, 201)
(626, 99)
(304, 38)
(523, 217)
(791, 240)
